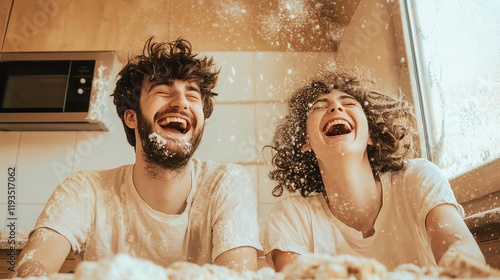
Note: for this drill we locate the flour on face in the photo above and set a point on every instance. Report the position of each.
(160, 143)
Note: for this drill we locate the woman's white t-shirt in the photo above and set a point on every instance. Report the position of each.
(306, 224)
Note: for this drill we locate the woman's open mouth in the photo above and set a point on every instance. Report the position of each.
(337, 127)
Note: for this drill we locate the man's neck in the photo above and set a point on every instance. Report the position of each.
(162, 189)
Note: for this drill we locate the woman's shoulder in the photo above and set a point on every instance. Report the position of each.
(421, 167)
(421, 174)
(298, 202)
(295, 210)
(417, 163)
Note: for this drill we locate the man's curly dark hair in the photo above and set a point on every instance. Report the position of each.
(163, 62)
(390, 121)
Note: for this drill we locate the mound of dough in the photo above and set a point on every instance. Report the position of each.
(125, 267)
(309, 266)
(350, 267)
(317, 266)
(121, 266)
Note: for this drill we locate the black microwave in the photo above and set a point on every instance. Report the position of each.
(53, 90)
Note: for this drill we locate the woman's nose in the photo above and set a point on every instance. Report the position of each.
(337, 106)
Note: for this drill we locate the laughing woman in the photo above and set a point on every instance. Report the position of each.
(350, 153)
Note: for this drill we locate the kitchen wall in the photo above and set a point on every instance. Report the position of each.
(262, 57)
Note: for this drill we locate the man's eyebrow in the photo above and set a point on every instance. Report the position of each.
(153, 86)
(156, 84)
(191, 87)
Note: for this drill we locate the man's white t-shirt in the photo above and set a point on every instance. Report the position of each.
(306, 224)
(101, 214)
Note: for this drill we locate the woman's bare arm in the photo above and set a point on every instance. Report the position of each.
(282, 259)
(449, 235)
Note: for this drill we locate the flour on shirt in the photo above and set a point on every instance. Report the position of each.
(101, 214)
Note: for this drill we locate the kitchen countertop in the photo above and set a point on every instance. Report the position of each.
(488, 217)
(5, 245)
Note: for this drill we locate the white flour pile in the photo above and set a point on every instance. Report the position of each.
(124, 267)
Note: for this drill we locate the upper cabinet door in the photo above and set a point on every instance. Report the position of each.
(53, 26)
(5, 6)
(63, 25)
(211, 25)
(262, 25)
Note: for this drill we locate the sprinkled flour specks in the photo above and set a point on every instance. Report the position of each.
(156, 138)
(161, 144)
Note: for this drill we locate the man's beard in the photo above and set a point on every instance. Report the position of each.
(170, 154)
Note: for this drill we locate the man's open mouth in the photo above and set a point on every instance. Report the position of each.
(337, 127)
(175, 123)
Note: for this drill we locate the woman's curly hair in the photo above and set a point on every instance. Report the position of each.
(390, 121)
(163, 62)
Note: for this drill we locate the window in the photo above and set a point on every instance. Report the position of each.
(455, 51)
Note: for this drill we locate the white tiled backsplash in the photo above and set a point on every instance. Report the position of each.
(253, 88)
